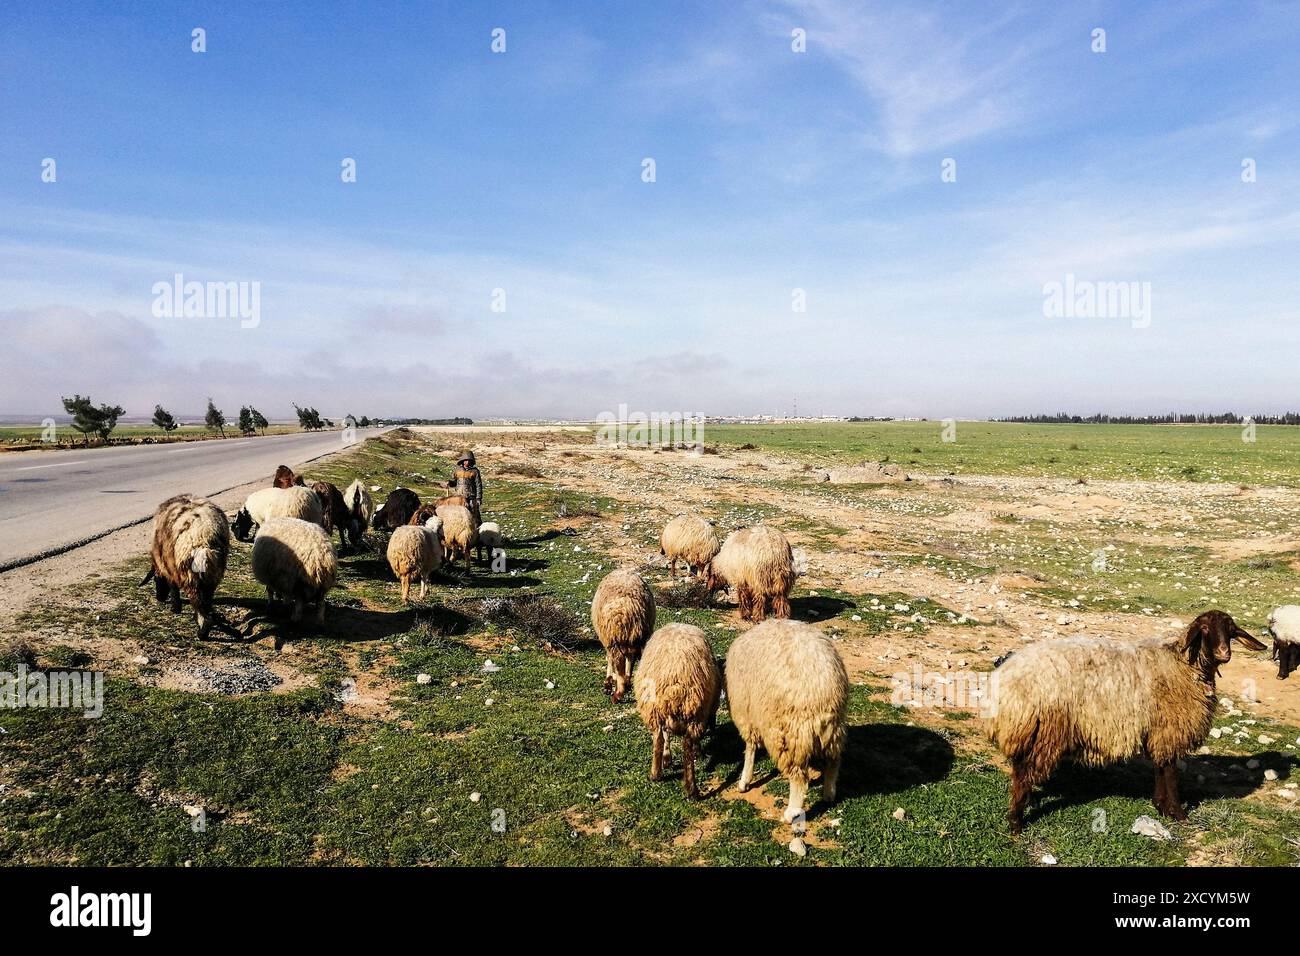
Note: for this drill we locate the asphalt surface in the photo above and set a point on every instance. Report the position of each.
(51, 501)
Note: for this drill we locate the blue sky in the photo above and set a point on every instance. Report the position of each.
(775, 171)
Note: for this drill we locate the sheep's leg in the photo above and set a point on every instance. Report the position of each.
(747, 774)
(424, 587)
(830, 779)
(161, 588)
(406, 589)
(1022, 788)
(781, 605)
(468, 557)
(668, 746)
(296, 616)
(798, 794)
(176, 599)
(672, 568)
(320, 610)
(743, 602)
(609, 672)
(657, 755)
(688, 768)
(1170, 806)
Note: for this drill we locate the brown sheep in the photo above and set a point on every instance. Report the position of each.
(759, 564)
(1101, 701)
(191, 545)
(623, 615)
(459, 533)
(677, 687)
(335, 515)
(285, 478)
(691, 539)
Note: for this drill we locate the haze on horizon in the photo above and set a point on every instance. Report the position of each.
(775, 171)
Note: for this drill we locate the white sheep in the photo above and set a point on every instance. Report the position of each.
(1284, 626)
(489, 537)
(361, 507)
(191, 545)
(677, 687)
(788, 690)
(263, 505)
(295, 560)
(459, 532)
(759, 564)
(688, 538)
(623, 616)
(414, 551)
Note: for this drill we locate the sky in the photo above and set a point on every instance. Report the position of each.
(917, 178)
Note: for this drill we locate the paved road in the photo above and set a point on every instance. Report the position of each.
(50, 501)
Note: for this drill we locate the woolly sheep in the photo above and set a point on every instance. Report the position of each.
(787, 690)
(285, 478)
(191, 545)
(360, 507)
(414, 551)
(295, 560)
(489, 537)
(1100, 701)
(759, 564)
(676, 686)
(691, 539)
(459, 533)
(1284, 626)
(623, 616)
(261, 506)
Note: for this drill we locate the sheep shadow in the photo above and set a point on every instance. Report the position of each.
(878, 759)
(539, 538)
(1226, 776)
(342, 623)
(457, 576)
(818, 608)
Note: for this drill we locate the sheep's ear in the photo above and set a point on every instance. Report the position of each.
(1194, 645)
(1243, 637)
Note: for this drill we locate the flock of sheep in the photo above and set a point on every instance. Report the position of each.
(1095, 700)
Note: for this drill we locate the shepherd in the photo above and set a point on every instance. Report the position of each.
(468, 481)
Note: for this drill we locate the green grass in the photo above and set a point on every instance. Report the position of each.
(294, 779)
(66, 435)
(1202, 453)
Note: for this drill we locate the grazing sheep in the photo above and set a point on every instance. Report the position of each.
(360, 507)
(334, 510)
(414, 552)
(489, 537)
(759, 564)
(1100, 701)
(787, 690)
(1284, 626)
(191, 545)
(397, 510)
(423, 514)
(285, 478)
(261, 506)
(623, 615)
(677, 687)
(295, 560)
(459, 532)
(691, 539)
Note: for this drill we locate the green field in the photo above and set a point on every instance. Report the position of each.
(559, 772)
(1202, 453)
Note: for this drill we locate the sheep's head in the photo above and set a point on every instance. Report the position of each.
(1208, 643)
(242, 524)
(713, 579)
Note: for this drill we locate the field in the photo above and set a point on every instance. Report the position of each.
(385, 737)
(31, 435)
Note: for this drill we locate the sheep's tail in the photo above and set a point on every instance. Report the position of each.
(200, 558)
(147, 578)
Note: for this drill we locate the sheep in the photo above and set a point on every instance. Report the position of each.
(759, 564)
(1100, 701)
(414, 551)
(787, 690)
(285, 478)
(459, 532)
(291, 502)
(334, 510)
(489, 537)
(295, 560)
(691, 539)
(677, 686)
(191, 545)
(1284, 626)
(360, 507)
(397, 510)
(623, 615)
(451, 500)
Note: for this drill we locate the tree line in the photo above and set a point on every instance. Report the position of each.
(100, 420)
(1171, 418)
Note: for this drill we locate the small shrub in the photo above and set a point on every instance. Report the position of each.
(687, 593)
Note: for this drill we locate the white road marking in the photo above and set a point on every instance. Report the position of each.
(57, 464)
